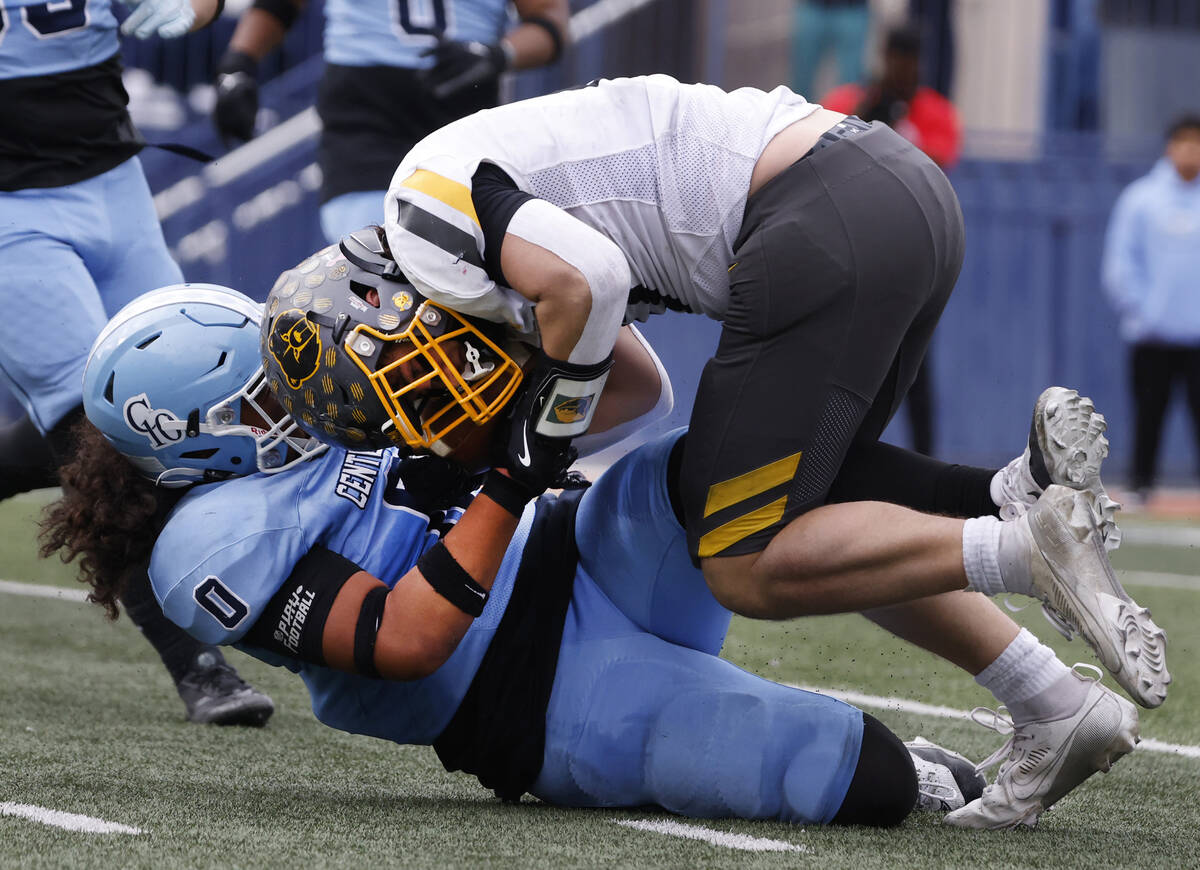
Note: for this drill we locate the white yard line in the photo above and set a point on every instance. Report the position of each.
(66, 821)
(37, 590)
(904, 705)
(1161, 536)
(1162, 580)
(744, 842)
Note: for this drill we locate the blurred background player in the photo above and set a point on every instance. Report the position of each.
(79, 238)
(1152, 278)
(392, 75)
(824, 27)
(928, 120)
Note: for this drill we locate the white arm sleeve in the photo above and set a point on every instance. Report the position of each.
(596, 257)
(588, 443)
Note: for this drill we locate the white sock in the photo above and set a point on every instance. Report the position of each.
(996, 556)
(1031, 682)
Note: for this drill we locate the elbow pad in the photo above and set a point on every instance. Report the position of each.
(596, 257)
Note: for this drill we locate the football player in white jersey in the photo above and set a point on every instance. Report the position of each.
(566, 647)
(827, 248)
(362, 358)
(395, 71)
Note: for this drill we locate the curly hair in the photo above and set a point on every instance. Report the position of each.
(109, 516)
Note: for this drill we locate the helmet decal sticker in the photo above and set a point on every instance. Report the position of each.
(141, 416)
(296, 345)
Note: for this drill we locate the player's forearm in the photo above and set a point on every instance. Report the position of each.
(421, 626)
(533, 44)
(258, 33)
(206, 12)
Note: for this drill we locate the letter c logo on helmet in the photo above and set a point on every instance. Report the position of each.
(296, 346)
(141, 417)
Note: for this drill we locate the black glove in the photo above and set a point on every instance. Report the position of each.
(237, 97)
(434, 483)
(555, 403)
(461, 65)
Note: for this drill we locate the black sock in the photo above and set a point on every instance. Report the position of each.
(26, 461)
(884, 788)
(876, 471)
(175, 647)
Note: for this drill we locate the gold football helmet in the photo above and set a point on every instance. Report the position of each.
(363, 360)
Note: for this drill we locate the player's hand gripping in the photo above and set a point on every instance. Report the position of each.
(237, 97)
(461, 65)
(165, 18)
(554, 405)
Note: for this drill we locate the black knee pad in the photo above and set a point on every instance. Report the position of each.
(884, 788)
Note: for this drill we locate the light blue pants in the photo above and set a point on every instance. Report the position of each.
(344, 214)
(72, 257)
(644, 712)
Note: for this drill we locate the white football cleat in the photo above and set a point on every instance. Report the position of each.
(945, 779)
(1075, 581)
(1066, 446)
(1045, 759)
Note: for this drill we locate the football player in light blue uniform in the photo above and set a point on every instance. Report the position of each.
(79, 238)
(565, 647)
(396, 70)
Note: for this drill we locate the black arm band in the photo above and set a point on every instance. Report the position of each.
(451, 581)
(285, 11)
(367, 629)
(506, 492)
(551, 28)
(292, 623)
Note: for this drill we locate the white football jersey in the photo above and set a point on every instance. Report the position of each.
(661, 168)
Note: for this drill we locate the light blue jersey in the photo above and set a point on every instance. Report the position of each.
(396, 32)
(229, 547)
(43, 38)
(642, 710)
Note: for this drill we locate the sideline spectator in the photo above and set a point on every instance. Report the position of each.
(819, 26)
(929, 121)
(1151, 264)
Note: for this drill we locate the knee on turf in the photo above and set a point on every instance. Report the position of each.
(884, 788)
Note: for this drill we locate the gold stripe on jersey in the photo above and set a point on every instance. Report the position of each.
(733, 531)
(443, 189)
(737, 489)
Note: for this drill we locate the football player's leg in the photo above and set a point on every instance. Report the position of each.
(634, 720)
(344, 214)
(821, 340)
(633, 546)
(26, 461)
(43, 346)
(134, 257)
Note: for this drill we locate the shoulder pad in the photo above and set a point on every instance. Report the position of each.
(435, 238)
(214, 584)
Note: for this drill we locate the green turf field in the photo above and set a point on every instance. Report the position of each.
(90, 724)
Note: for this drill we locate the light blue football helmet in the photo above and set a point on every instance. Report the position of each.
(175, 383)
